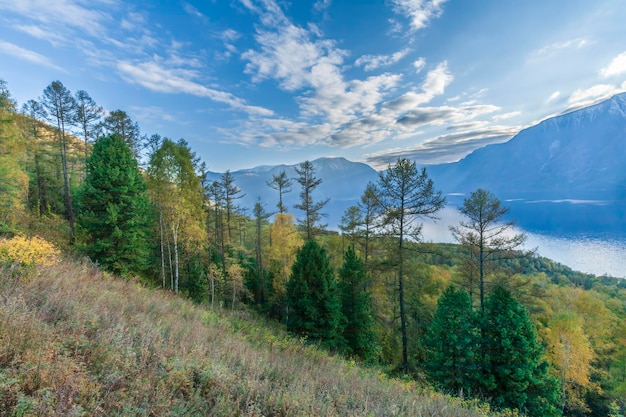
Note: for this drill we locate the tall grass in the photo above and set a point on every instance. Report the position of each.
(77, 342)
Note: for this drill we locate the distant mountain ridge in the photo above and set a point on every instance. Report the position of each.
(578, 155)
(581, 154)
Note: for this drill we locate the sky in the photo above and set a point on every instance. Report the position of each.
(267, 82)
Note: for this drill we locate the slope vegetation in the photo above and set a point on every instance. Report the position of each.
(76, 341)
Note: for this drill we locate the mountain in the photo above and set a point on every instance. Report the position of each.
(343, 182)
(569, 158)
(578, 155)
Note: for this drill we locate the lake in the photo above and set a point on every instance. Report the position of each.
(587, 236)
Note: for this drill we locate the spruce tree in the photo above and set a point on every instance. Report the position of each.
(356, 306)
(313, 298)
(451, 343)
(114, 210)
(514, 371)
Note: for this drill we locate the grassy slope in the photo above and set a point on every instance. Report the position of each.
(75, 341)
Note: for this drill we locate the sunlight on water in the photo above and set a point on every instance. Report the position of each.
(598, 256)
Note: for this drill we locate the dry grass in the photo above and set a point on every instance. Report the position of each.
(75, 341)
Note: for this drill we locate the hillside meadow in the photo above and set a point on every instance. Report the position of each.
(75, 341)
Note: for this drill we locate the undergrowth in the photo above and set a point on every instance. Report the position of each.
(75, 341)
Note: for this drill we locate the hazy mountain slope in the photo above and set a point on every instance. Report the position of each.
(343, 182)
(576, 155)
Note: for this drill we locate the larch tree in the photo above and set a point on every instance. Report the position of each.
(115, 215)
(61, 109)
(260, 217)
(486, 236)
(231, 193)
(405, 195)
(312, 210)
(313, 298)
(88, 115)
(34, 113)
(286, 242)
(13, 178)
(281, 183)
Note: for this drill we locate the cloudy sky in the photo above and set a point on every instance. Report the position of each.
(255, 82)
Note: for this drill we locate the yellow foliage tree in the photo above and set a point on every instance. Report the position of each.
(571, 354)
(285, 243)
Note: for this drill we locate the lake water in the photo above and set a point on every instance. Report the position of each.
(588, 245)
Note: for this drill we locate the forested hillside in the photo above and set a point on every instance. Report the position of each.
(481, 319)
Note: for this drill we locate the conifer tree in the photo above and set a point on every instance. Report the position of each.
(114, 212)
(451, 343)
(514, 372)
(357, 308)
(312, 210)
(313, 298)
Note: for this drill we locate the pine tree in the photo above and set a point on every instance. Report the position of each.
(357, 308)
(313, 298)
(451, 343)
(114, 212)
(514, 372)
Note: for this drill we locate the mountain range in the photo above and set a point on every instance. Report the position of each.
(573, 157)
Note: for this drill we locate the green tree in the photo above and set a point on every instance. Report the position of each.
(88, 114)
(312, 210)
(405, 195)
(514, 372)
(486, 236)
(313, 298)
(120, 123)
(451, 343)
(61, 106)
(115, 213)
(281, 183)
(357, 308)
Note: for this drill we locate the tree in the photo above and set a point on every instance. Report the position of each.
(260, 216)
(514, 373)
(230, 193)
(61, 106)
(281, 183)
(88, 113)
(286, 242)
(177, 192)
(13, 179)
(451, 343)
(369, 209)
(115, 214)
(486, 237)
(404, 196)
(119, 123)
(312, 211)
(313, 298)
(351, 220)
(571, 354)
(357, 308)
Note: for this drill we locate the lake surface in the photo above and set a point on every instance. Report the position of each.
(586, 236)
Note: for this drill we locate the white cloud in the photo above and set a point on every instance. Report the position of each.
(553, 96)
(553, 48)
(27, 55)
(155, 77)
(59, 15)
(506, 116)
(616, 67)
(419, 64)
(192, 11)
(321, 5)
(592, 94)
(372, 62)
(420, 12)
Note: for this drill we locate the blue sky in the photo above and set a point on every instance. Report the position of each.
(256, 82)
